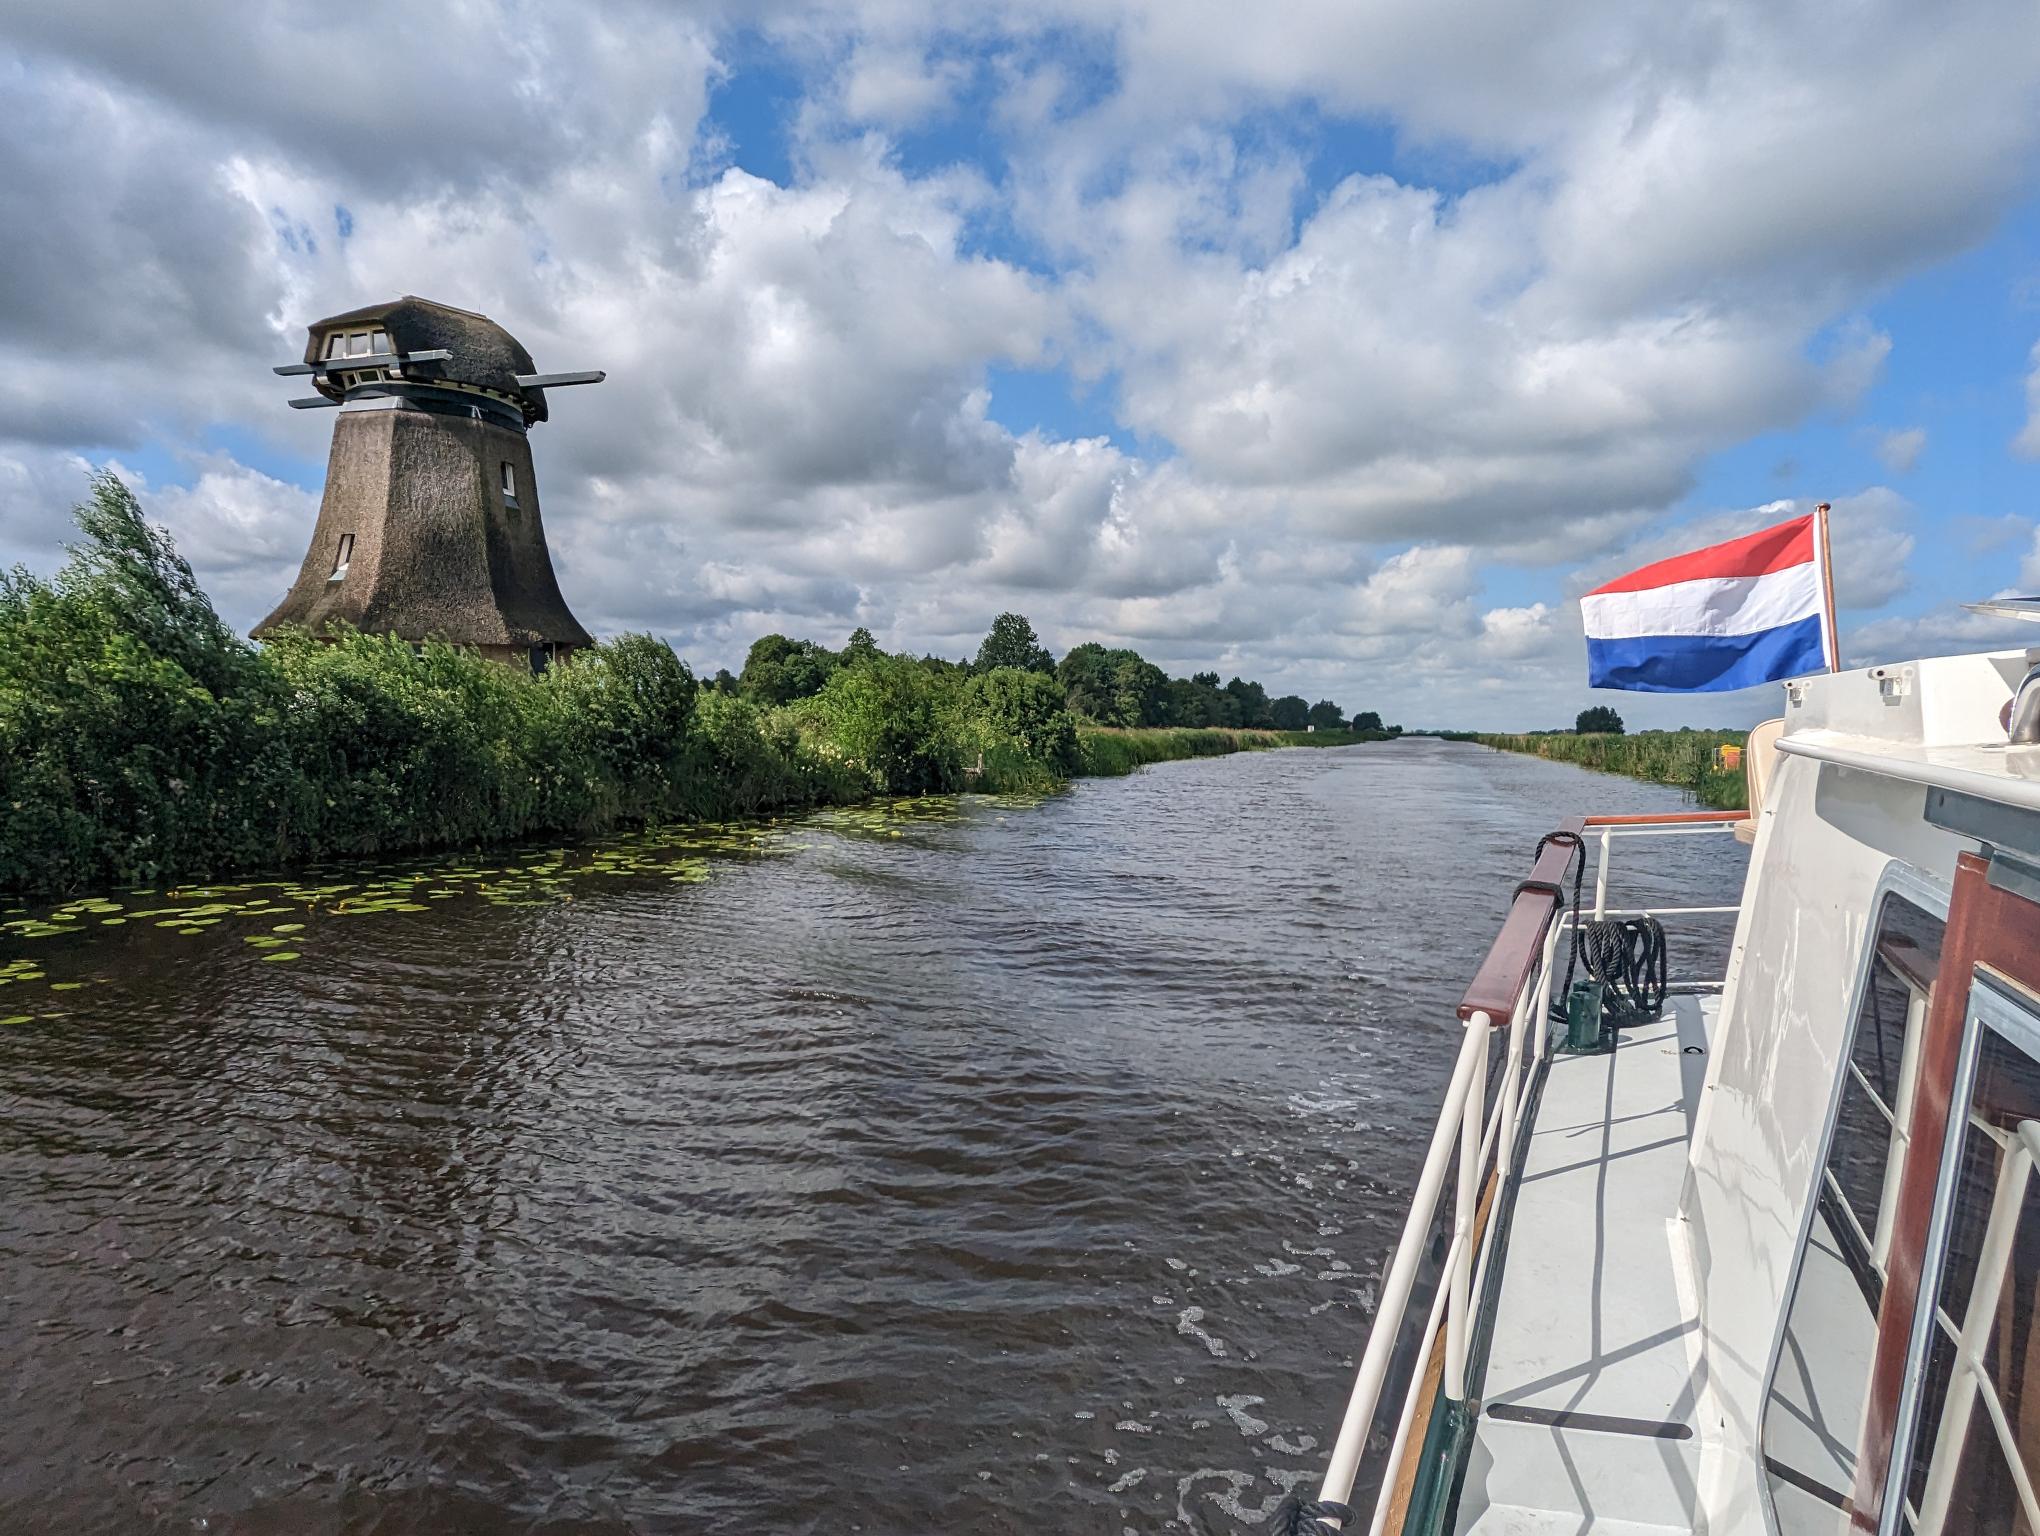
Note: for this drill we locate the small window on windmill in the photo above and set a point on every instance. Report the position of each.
(509, 483)
(346, 554)
(342, 345)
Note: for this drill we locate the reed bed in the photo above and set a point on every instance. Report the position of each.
(1681, 758)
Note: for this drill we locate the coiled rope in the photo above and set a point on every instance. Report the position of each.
(1626, 955)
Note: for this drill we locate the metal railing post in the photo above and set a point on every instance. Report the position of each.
(1472, 1112)
(1401, 1277)
(1601, 874)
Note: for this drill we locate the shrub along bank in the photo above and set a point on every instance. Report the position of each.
(143, 741)
(1683, 758)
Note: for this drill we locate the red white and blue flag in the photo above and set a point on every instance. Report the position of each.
(1753, 610)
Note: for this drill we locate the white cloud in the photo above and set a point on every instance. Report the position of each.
(1900, 449)
(2029, 569)
(1516, 634)
(2027, 443)
(898, 87)
(1617, 241)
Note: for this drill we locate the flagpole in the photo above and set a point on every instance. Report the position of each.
(1833, 639)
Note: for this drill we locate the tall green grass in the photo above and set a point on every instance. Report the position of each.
(1681, 758)
(1108, 753)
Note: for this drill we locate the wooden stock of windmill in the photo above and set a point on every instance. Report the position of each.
(429, 527)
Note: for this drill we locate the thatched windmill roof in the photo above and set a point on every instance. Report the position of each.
(483, 353)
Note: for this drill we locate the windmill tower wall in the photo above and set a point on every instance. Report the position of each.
(430, 524)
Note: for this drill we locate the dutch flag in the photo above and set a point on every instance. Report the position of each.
(1753, 610)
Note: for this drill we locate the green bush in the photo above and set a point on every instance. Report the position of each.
(1016, 719)
(888, 717)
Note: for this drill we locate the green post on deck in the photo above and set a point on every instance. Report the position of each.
(1583, 1020)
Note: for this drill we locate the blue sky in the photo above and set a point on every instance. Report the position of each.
(1339, 346)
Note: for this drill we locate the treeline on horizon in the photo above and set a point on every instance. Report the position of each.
(142, 741)
(1099, 685)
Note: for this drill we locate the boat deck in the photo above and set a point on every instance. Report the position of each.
(1593, 1374)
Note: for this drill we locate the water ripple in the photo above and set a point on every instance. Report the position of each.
(962, 1165)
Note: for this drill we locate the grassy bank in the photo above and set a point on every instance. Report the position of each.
(1681, 758)
(142, 741)
(1105, 751)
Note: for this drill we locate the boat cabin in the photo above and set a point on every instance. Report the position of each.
(1758, 1253)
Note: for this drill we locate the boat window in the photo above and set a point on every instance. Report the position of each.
(1976, 1451)
(1813, 1414)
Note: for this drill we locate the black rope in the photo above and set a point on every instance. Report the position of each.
(1627, 956)
(1299, 1516)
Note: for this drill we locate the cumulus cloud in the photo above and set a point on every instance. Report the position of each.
(1602, 245)
(1516, 634)
(2027, 443)
(1900, 449)
(2029, 569)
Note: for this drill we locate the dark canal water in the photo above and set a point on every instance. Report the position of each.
(968, 1166)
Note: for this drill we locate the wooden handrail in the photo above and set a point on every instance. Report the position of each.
(1520, 944)
(1666, 819)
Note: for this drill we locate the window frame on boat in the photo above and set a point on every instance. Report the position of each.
(1930, 898)
(1990, 1009)
(1993, 926)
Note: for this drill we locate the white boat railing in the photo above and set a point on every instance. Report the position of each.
(1477, 1141)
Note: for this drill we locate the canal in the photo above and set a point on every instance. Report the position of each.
(960, 1165)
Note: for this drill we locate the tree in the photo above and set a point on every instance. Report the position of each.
(860, 647)
(1291, 712)
(1325, 716)
(1598, 719)
(1013, 643)
(1204, 679)
(1252, 701)
(1113, 687)
(1367, 720)
(779, 670)
(724, 682)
